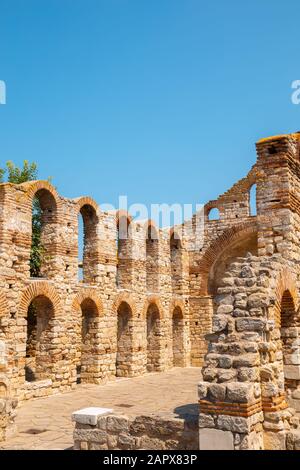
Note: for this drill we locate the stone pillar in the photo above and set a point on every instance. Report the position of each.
(278, 195)
(230, 414)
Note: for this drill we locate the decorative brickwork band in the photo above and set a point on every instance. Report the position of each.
(244, 410)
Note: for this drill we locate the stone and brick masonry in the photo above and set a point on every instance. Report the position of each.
(151, 301)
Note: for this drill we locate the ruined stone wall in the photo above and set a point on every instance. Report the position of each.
(119, 432)
(76, 334)
(235, 223)
(62, 328)
(249, 394)
(157, 298)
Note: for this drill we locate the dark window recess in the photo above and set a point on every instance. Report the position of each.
(272, 150)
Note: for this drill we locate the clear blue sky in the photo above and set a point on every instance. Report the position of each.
(161, 100)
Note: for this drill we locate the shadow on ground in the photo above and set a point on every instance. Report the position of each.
(187, 411)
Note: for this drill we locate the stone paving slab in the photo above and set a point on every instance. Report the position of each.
(172, 393)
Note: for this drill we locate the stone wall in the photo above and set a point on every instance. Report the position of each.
(76, 334)
(138, 306)
(249, 393)
(7, 403)
(150, 300)
(119, 432)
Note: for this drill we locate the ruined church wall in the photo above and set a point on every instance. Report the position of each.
(67, 293)
(250, 389)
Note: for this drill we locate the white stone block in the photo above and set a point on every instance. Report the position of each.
(215, 439)
(90, 415)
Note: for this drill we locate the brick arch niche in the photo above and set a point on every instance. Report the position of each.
(178, 345)
(152, 258)
(44, 209)
(124, 248)
(124, 356)
(40, 306)
(88, 244)
(88, 311)
(41, 322)
(288, 324)
(176, 261)
(153, 338)
(238, 244)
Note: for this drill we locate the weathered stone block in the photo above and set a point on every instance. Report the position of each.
(233, 424)
(217, 392)
(240, 392)
(250, 324)
(117, 423)
(206, 421)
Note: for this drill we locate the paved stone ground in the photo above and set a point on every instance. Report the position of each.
(169, 393)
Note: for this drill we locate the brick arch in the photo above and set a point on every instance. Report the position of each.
(36, 289)
(285, 282)
(149, 223)
(177, 303)
(213, 205)
(85, 294)
(251, 178)
(122, 214)
(155, 300)
(217, 247)
(175, 233)
(86, 201)
(32, 187)
(4, 311)
(128, 299)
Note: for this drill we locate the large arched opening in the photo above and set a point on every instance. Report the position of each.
(289, 333)
(39, 344)
(252, 201)
(87, 356)
(124, 340)
(44, 237)
(239, 248)
(123, 253)
(178, 337)
(87, 244)
(176, 263)
(152, 255)
(153, 338)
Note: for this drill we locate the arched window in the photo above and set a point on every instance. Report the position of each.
(153, 338)
(176, 263)
(252, 199)
(124, 340)
(152, 255)
(214, 214)
(178, 337)
(290, 347)
(88, 340)
(123, 253)
(87, 244)
(44, 240)
(39, 347)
